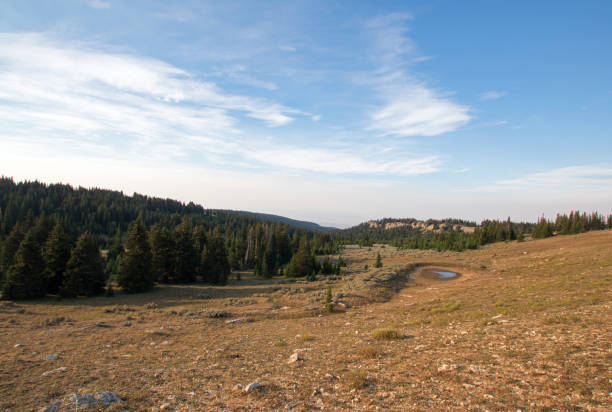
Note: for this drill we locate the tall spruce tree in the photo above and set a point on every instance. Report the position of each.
(215, 263)
(187, 259)
(301, 264)
(10, 246)
(56, 253)
(135, 273)
(26, 278)
(163, 254)
(85, 269)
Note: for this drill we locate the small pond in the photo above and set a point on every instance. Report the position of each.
(445, 275)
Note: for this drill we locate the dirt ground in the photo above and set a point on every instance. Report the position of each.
(525, 326)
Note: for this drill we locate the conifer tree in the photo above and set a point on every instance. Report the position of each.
(301, 263)
(84, 270)
(187, 259)
(56, 253)
(26, 278)
(163, 253)
(135, 274)
(378, 261)
(214, 260)
(9, 250)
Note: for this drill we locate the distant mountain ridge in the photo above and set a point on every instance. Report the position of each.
(297, 223)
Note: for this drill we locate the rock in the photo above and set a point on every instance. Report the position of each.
(52, 357)
(295, 357)
(19, 345)
(239, 320)
(127, 323)
(252, 386)
(58, 370)
(52, 408)
(102, 325)
(74, 401)
(166, 407)
(238, 387)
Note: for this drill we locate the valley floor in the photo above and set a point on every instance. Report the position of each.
(525, 326)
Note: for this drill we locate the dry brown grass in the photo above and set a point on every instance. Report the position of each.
(526, 326)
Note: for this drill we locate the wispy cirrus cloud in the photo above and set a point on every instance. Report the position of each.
(571, 179)
(75, 92)
(108, 104)
(492, 95)
(346, 162)
(409, 106)
(99, 4)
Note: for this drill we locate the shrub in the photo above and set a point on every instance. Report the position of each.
(386, 334)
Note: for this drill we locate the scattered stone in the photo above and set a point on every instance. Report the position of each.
(103, 325)
(252, 386)
(295, 357)
(58, 370)
(40, 342)
(52, 408)
(239, 320)
(127, 323)
(166, 407)
(238, 387)
(19, 345)
(52, 357)
(74, 401)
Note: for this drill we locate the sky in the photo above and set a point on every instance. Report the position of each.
(335, 112)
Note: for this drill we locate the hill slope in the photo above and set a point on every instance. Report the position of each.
(525, 326)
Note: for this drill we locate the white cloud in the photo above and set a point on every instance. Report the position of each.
(75, 93)
(99, 4)
(316, 117)
(344, 162)
(413, 110)
(572, 179)
(110, 105)
(409, 106)
(492, 95)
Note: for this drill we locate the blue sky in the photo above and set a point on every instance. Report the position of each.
(336, 112)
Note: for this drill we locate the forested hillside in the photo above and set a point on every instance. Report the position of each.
(457, 235)
(51, 237)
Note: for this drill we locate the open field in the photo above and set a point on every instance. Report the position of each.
(525, 326)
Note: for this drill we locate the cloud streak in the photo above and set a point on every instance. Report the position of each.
(574, 179)
(108, 104)
(492, 95)
(409, 106)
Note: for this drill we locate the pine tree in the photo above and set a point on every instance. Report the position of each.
(378, 261)
(84, 270)
(56, 253)
(26, 278)
(329, 304)
(187, 259)
(301, 264)
(163, 254)
(9, 250)
(214, 260)
(135, 272)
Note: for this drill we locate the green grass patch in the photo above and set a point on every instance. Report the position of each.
(386, 334)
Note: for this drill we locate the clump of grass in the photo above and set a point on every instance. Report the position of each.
(368, 352)
(217, 314)
(306, 338)
(448, 307)
(386, 334)
(357, 379)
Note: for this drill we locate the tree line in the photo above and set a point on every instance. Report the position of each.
(489, 231)
(55, 239)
